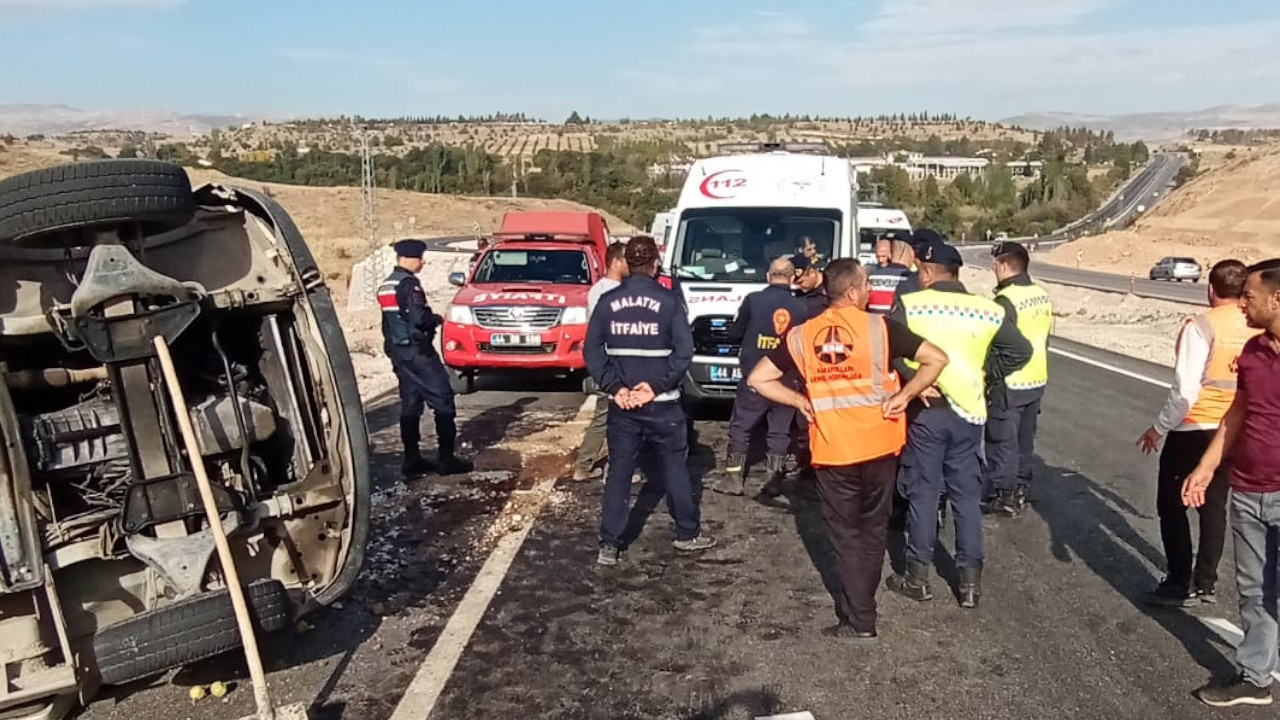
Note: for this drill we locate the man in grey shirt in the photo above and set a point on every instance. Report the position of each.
(592, 450)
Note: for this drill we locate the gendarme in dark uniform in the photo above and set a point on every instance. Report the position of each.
(762, 321)
(638, 349)
(408, 332)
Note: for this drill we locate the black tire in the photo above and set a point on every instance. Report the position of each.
(462, 382)
(187, 631)
(589, 386)
(155, 195)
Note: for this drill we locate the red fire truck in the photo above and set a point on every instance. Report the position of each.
(524, 302)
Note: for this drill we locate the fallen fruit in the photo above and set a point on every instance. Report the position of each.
(218, 689)
(197, 692)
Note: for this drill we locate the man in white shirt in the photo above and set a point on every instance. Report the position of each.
(592, 450)
(1203, 388)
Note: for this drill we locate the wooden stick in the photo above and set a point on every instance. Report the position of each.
(238, 602)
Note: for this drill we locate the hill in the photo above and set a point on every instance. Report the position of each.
(1230, 211)
(31, 119)
(1157, 126)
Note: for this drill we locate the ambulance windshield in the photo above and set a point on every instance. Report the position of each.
(736, 245)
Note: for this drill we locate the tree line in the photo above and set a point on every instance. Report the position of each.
(972, 205)
(616, 179)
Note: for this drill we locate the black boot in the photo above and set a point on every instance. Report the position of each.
(775, 466)
(733, 480)
(1004, 503)
(773, 492)
(446, 439)
(413, 465)
(970, 586)
(914, 584)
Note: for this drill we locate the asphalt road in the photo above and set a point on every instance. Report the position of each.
(1146, 189)
(734, 633)
(1182, 292)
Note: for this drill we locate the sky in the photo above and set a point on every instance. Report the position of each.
(659, 58)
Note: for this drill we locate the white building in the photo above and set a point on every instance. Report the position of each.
(919, 166)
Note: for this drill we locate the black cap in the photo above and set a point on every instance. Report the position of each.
(936, 250)
(410, 248)
(923, 236)
(801, 262)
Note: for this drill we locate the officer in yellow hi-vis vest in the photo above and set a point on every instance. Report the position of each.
(944, 435)
(1015, 403)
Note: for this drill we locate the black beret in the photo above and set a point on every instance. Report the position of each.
(801, 262)
(410, 248)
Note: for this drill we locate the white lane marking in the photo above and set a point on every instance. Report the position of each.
(1228, 631)
(804, 715)
(421, 696)
(1108, 366)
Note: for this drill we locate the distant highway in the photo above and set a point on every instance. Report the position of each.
(1190, 293)
(1144, 190)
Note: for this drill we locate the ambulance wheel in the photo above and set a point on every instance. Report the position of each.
(463, 382)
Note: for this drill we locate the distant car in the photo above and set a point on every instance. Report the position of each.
(1176, 268)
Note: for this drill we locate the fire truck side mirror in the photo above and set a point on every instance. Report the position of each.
(457, 278)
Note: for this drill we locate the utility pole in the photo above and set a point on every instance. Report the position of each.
(367, 189)
(373, 274)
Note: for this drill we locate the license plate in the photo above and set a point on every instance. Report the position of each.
(515, 340)
(726, 373)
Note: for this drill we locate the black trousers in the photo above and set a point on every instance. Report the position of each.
(657, 430)
(424, 382)
(1010, 446)
(1181, 454)
(855, 505)
(749, 408)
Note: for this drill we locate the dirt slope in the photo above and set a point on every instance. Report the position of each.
(1230, 211)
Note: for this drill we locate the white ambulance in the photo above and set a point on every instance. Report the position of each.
(736, 213)
(875, 222)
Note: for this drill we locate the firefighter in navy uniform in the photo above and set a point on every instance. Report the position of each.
(762, 321)
(638, 349)
(408, 332)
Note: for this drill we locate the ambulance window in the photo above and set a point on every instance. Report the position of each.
(737, 244)
(562, 267)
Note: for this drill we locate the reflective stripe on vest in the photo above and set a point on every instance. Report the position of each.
(963, 326)
(637, 352)
(843, 355)
(1034, 318)
(1225, 330)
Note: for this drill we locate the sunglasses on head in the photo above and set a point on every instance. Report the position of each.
(1002, 248)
